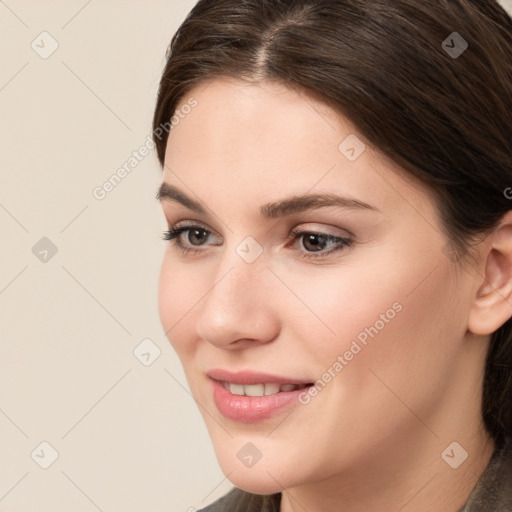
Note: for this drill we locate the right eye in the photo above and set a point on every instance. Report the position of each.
(174, 235)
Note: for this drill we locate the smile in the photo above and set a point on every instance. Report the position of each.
(252, 403)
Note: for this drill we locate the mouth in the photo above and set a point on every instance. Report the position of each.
(257, 401)
(263, 389)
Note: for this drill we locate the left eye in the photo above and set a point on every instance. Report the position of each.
(312, 239)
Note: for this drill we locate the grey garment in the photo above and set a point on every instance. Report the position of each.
(492, 493)
(237, 500)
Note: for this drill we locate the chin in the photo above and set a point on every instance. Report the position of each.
(256, 483)
(269, 475)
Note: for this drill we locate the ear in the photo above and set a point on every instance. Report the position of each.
(492, 304)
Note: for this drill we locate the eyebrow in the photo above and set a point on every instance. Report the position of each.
(274, 210)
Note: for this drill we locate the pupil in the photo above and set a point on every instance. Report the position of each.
(195, 231)
(311, 238)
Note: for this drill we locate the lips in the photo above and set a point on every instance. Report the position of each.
(253, 396)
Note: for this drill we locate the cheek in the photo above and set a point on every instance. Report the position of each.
(397, 321)
(344, 305)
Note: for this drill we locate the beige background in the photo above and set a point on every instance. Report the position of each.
(128, 436)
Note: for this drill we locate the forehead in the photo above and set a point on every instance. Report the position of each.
(260, 108)
(268, 139)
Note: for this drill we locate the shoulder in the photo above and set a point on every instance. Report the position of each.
(238, 500)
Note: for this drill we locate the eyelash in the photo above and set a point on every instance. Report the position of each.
(173, 235)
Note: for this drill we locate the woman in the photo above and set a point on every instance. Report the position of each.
(338, 280)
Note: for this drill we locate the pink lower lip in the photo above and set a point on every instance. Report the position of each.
(250, 409)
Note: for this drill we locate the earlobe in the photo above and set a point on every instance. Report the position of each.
(492, 304)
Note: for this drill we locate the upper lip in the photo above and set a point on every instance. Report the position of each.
(250, 377)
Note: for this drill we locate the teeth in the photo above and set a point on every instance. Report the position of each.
(236, 389)
(271, 389)
(254, 390)
(259, 389)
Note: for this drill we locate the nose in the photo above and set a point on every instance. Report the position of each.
(240, 309)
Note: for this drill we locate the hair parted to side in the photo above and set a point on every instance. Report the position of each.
(444, 120)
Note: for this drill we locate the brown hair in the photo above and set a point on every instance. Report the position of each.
(388, 67)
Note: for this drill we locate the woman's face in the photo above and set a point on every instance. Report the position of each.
(379, 322)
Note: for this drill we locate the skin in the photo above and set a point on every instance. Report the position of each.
(372, 438)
